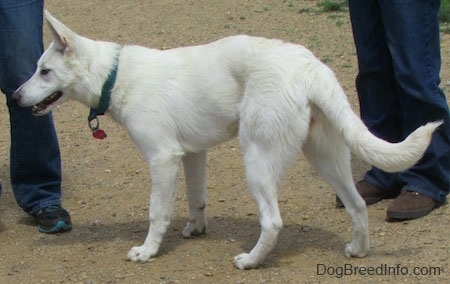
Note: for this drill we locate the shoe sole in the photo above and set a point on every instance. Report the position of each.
(61, 226)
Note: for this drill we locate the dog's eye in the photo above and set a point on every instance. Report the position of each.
(45, 72)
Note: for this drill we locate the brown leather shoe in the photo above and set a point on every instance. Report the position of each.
(370, 193)
(410, 205)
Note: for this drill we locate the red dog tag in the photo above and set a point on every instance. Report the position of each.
(99, 134)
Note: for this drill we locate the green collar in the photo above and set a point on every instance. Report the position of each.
(103, 103)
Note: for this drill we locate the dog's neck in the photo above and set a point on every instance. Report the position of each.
(95, 73)
(104, 100)
(105, 96)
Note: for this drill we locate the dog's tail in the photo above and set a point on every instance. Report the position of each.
(390, 157)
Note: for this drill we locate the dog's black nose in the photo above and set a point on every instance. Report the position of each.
(16, 97)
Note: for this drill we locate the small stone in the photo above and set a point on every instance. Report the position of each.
(209, 274)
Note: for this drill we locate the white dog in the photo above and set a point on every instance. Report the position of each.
(175, 104)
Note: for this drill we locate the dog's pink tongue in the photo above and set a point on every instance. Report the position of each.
(39, 107)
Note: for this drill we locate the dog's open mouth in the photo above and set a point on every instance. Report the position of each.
(41, 107)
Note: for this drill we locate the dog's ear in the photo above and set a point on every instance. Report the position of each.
(62, 36)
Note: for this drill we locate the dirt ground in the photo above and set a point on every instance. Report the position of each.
(106, 183)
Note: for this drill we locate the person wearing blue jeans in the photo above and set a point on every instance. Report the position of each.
(398, 50)
(35, 164)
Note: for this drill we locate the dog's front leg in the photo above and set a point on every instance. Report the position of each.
(194, 170)
(165, 172)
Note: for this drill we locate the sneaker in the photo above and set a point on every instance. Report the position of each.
(370, 193)
(53, 219)
(410, 205)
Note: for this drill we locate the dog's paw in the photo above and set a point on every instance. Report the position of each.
(354, 251)
(140, 254)
(191, 230)
(244, 261)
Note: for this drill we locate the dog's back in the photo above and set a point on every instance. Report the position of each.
(208, 84)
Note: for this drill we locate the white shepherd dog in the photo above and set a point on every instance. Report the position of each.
(175, 104)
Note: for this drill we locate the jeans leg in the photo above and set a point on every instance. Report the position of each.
(412, 31)
(375, 82)
(34, 153)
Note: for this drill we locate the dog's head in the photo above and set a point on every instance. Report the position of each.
(53, 80)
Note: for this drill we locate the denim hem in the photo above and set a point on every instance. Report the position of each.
(376, 183)
(427, 193)
(43, 205)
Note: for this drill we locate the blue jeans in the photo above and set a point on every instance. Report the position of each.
(34, 154)
(398, 49)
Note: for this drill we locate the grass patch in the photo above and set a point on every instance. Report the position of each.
(444, 11)
(444, 15)
(333, 5)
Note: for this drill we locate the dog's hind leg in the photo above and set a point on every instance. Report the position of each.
(194, 170)
(270, 139)
(165, 170)
(263, 185)
(327, 152)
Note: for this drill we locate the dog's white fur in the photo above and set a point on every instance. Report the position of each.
(177, 103)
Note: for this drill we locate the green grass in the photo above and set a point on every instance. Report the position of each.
(444, 15)
(333, 5)
(444, 11)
